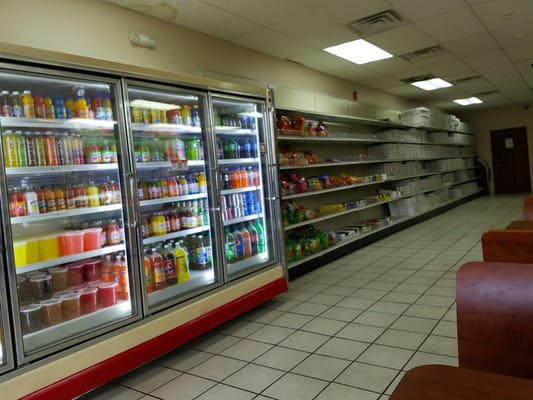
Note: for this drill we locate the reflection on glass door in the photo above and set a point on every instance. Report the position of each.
(67, 257)
(240, 129)
(170, 159)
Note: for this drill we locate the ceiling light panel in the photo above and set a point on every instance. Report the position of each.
(358, 51)
(432, 84)
(468, 101)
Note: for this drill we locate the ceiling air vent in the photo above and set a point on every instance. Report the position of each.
(379, 22)
(486, 93)
(423, 54)
(466, 80)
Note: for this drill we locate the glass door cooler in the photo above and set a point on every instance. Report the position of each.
(66, 229)
(247, 200)
(6, 355)
(171, 158)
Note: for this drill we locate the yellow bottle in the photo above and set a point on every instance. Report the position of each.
(182, 263)
(10, 149)
(28, 107)
(80, 107)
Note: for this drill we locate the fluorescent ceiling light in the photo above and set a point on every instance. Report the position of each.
(358, 51)
(431, 84)
(467, 102)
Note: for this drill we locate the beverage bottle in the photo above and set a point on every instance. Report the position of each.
(169, 265)
(184, 185)
(82, 198)
(253, 238)
(120, 275)
(66, 148)
(30, 149)
(60, 150)
(235, 180)
(205, 213)
(21, 149)
(154, 116)
(186, 115)
(247, 242)
(41, 201)
(155, 154)
(163, 184)
(145, 153)
(158, 273)
(229, 245)
(32, 203)
(93, 195)
(7, 109)
(40, 151)
(28, 108)
(220, 150)
(17, 203)
(106, 272)
(195, 116)
(173, 190)
(202, 182)
(247, 149)
(50, 198)
(97, 105)
(77, 149)
(236, 149)
(112, 233)
(70, 108)
(146, 229)
(15, 104)
(105, 194)
(162, 117)
(49, 110)
(70, 197)
(243, 176)
(182, 263)
(93, 154)
(59, 195)
(107, 154)
(38, 103)
(50, 149)
(261, 240)
(202, 255)
(9, 142)
(108, 109)
(59, 108)
(239, 243)
(253, 149)
(148, 277)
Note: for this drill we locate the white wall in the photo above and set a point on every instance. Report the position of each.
(485, 121)
(97, 29)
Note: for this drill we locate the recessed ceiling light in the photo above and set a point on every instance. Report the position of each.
(358, 51)
(469, 101)
(432, 84)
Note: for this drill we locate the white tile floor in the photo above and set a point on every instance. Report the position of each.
(348, 330)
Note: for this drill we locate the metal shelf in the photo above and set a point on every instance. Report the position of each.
(243, 219)
(164, 200)
(240, 190)
(354, 140)
(139, 127)
(61, 169)
(231, 130)
(74, 123)
(68, 259)
(173, 235)
(64, 214)
(183, 166)
(235, 161)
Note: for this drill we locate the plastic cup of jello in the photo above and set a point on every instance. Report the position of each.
(75, 273)
(59, 279)
(91, 270)
(89, 299)
(51, 311)
(92, 239)
(40, 287)
(70, 242)
(30, 318)
(107, 292)
(70, 305)
(48, 247)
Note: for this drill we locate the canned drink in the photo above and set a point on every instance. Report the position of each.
(136, 115)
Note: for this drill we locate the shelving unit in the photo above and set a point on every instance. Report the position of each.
(404, 174)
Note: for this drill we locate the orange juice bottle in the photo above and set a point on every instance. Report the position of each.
(106, 273)
(247, 242)
(81, 110)
(173, 190)
(50, 198)
(50, 149)
(50, 112)
(40, 109)
(59, 194)
(28, 108)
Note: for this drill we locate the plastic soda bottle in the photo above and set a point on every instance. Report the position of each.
(158, 273)
(108, 110)
(38, 104)
(195, 116)
(229, 245)
(28, 108)
(253, 238)
(10, 149)
(182, 262)
(59, 108)
(247, 241)
(239, 243)
(169, 265)
(15, 104)
(148, 278)
(49, 108)
(7, 109)
(119, 270)
(261, 240)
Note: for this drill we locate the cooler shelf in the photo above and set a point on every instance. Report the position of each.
(74, 123)
(64, 214)
(164, 200)
(243, 219)
(174, 235)
(60, 169)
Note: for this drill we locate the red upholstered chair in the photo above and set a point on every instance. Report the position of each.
(508, 245)
(495, 318)
(528, 208)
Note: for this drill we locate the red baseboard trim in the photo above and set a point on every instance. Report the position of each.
(111, 368)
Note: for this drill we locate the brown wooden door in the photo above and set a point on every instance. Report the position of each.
(510, 160)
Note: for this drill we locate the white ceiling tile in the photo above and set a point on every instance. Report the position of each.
(476, 86)
(519, 53)
(347, 11)
(495, 57)
(329, 34)
(404, 39)
(469, 46)
(258, 11)
(211, 20)
(439, 59)
(492, 13)
(514, 35)
(273, 43)
(397, 67)
(526, 72)
(454, 25)
(323, 61)
(445, 69)
(415, 10)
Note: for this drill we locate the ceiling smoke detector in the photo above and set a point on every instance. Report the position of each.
(423, 54)
(379, 22)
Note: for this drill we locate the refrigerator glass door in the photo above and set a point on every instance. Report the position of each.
(67, 259)
(168, 135)
(6, 356)
(242, 143)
